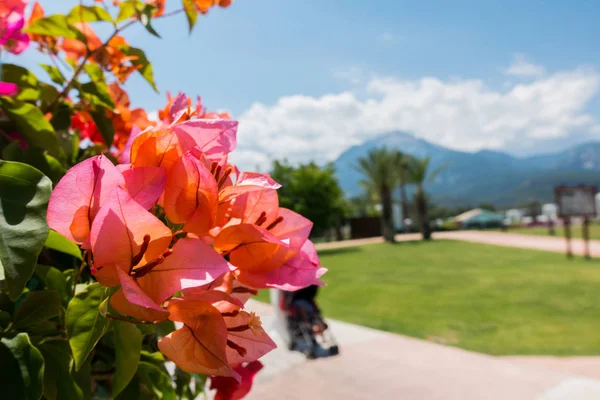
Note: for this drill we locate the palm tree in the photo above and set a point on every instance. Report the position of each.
(419, 174)
(401, 161)
(379, 170)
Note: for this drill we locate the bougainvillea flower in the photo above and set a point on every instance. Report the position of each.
(191, 195)
(246, 340)
(267, 243)
(131, 300)
(74, 49)
(199, 346)
(9, 6)
(11, 37)
(204, 5)
(192, 263)
(229, 388)
(8, 89)
(163, 147)
(160, 7)
(84, 123)
(125, 235)
(50, 42)
(298, 272)
(145, 184)
(124, 119)
(224, 283)
(78, 196)
(251, 247)
(125, 156)
(180, 108)
(247, 203)
(257, 179)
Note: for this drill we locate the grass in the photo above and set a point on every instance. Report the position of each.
(576, 231)
(483, 298)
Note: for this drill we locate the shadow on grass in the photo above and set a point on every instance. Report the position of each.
(342, 250)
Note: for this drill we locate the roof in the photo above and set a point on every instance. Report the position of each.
(478, 215)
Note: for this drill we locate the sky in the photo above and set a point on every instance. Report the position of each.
(309, 78)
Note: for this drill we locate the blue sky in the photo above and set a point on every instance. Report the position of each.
(277, 64)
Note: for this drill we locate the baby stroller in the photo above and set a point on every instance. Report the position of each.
(307, 331)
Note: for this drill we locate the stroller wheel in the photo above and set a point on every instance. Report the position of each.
(334, 350)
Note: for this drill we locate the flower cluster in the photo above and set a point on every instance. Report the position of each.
(11, 38)
(182, 235)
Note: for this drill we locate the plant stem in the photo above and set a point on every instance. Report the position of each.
(79, 272)
(112, 316)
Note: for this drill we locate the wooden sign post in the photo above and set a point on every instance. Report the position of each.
(586, 237)
(576, 201)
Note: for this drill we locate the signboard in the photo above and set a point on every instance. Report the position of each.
(576, 201)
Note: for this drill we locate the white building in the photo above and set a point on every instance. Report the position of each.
(514, 216)
(550, 210)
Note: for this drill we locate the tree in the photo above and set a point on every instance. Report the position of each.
(379, 169)
(312, 191)
(402, 160)
(419, 173)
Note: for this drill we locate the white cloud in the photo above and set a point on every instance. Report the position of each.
(353, 75)
(462, 114)
(523, 68)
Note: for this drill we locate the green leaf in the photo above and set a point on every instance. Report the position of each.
(27, 82)
(54, 73)
(156, 357)
(145, 65)
(24, 194)
(58, 382)
(61, 119)
(58, 242)
(156, 380)
(131, 391)
(128, 345)
(37, 306)
(83, 378)
(105, 125)
(55, 25)
(94, 72)
(5, 319)
(190, 12)
(127, 9)
(48, 95)
(88, 14)
(54, 280)
(12, 151)
(35, 157)
(97, 94)
(145, 17)
(22, 368)
(85, 326)
(31, 124)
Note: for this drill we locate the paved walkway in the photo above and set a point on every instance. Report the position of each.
(380, 365)
(545, 243)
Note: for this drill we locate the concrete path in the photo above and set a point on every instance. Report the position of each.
(545, 243)
(380, 365)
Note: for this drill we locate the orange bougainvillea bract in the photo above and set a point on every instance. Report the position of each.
(183, 235)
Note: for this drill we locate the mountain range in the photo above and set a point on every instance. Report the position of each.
(485, 176)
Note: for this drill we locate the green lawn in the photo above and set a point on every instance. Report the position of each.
(576, 231)
(489, 299)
